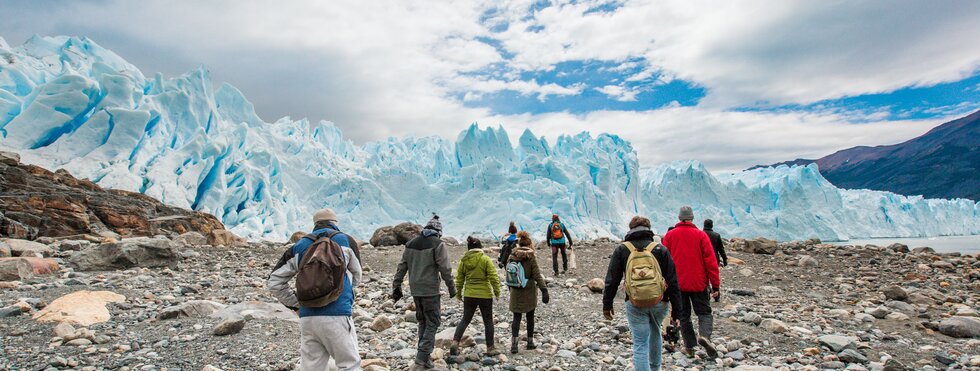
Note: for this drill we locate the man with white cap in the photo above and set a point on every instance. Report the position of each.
(325, 331)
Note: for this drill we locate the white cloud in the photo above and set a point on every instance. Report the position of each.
(393, 67)
(619, 93)
(764, 51)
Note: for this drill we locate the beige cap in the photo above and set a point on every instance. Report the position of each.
(325, 214)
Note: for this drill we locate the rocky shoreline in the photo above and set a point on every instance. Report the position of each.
(182, 303)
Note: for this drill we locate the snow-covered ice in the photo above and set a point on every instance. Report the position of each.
(68, 103)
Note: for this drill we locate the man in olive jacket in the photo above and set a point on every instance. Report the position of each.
(425, 259)
(644, 323)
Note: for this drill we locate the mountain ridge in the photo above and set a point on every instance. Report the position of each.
(942, 163)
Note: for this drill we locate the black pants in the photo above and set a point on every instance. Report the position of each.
(701, 303)
(469, 309)
(515, 326)
(554, 257)
(427, 312)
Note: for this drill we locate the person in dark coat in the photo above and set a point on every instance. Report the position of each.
(523, 300)
(716, 242)
(507, 244)
(645, 323)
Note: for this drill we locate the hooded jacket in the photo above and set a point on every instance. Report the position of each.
(477, 276)
(642, 238)
(525, 299)
(425, 260)
(693, 256)
(566, 237)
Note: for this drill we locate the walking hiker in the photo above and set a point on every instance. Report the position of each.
(326, 270)
(425, 260)
(508, 242)
(651, 284)
(559, 239)
(523, 280)
(716, 242)
(477, 280)
(697, 271)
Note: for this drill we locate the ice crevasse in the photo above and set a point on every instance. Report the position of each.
(66, 102)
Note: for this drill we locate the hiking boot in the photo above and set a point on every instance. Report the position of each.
(708, 347)
(513, 345)
(491, 352)
(454, 348)
(530, 344)
(689, 353)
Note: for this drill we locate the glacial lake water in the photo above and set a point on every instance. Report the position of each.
(960, 244)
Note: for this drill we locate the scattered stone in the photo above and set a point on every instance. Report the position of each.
(10, 312)
(27, 248)
(899, 248)
(596, 285)
(64, 330)
(895, 292)
(838, 343)
(15, 269)
(83, 308)
(960, 327)
(229, 326)
(774, 326)
(380, 323)
(192, 309)
(808, 261)
(852, 356)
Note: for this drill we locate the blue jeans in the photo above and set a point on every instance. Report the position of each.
(647, 337)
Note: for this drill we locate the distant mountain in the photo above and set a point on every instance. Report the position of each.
(943, 163)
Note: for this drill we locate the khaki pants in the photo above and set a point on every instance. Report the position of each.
(325, 337)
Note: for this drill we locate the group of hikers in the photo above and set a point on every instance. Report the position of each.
(681, 270)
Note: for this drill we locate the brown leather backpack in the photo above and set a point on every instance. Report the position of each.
(320, 277)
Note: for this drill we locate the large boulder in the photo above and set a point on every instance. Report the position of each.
(960, 327)
(895, 292)
(761, 246)
(9, 158)
(15, 269)
(128, 253)
(83, 308)
(192, 239)
(384, 236)
(27, 248)
(42, 203)
(405, 232)
(224, 237)
(596, 285)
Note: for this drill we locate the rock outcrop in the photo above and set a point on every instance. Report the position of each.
(38, 202)
(130, 252)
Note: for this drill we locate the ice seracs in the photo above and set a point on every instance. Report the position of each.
(66, 102)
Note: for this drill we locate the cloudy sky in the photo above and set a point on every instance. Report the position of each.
(729, 83)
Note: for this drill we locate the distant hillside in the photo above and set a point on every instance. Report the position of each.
(943, 163)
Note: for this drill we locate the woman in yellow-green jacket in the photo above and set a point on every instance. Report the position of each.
(477, 280)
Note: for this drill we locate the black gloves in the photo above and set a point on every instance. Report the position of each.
(545, 298)
(396, 294)
(716, 293)
(452, 292)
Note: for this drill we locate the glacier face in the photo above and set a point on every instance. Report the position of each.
(69, 103)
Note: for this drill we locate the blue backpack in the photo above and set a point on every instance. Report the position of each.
(515, 275)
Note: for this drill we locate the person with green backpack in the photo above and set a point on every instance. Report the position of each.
(524, 279)
(477, 277)
(650, 285)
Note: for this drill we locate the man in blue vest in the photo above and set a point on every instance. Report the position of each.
(325, 332)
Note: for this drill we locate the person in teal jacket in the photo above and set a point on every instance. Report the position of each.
(559, 240)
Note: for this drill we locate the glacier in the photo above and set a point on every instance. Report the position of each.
(67, 103)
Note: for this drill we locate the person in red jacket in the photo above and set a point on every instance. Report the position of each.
(697, 271)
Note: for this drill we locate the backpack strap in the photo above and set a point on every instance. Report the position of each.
(313, 237)
(629, 246)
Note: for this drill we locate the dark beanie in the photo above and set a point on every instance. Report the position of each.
(473, 243)
(512, 229)
(708, 224)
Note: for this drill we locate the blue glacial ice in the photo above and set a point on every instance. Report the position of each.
(68, 103)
